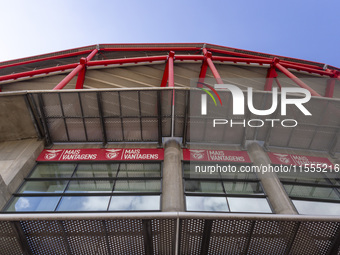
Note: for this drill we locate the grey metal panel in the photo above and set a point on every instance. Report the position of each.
(126, 233)
(16, 122)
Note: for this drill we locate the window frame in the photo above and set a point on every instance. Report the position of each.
(110, 194)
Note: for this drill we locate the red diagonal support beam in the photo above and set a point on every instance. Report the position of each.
(165, 75)
(213, 68)
(296, 80)
(68, 78)
(203, 71)
(81, 69)
(82, 72)
(37, 72)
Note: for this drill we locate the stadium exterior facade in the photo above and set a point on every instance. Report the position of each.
(98, 145)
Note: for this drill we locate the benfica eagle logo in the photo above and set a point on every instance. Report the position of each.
(197, 154)
(51, 154)
(283, 158)
(112, 153)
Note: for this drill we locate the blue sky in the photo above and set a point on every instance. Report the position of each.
(306, 29)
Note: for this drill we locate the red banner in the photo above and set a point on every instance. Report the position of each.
(216, 155)
(298, 160)
(101, 154)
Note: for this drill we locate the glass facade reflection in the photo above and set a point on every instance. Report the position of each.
(313, 193)
(90, 187)
(224, 192)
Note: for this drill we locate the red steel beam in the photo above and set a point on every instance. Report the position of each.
(310, 70)
(245, 55)
(151, 59)
(203, 71)
(91, 55)
(234, 53)
(242, 60)
(69, 77)
(151, 49)
(47, 58)
(213, 68)
(190, 57)
(271, 74)
(81, 78)
(36, 72)
(296, 80)
(126, 60)
(330, 88)
(82, 72)
(171, 80)
(165, 75)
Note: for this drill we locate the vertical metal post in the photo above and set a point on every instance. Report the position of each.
(165, 75)
(206, 237)
(21, 237)
(102, 121)
(81, 74)
(159, 113)
(171, 69)
(81, 77)
(186, 116)
(271, 74)
(330, 87)
(147, 233)
(48, 141)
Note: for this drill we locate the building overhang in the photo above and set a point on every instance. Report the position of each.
(168, 233)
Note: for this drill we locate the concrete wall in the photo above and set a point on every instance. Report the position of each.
(16, 160)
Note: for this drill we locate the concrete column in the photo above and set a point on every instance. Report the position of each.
(172, 193)
(16, 160)
(274, 189)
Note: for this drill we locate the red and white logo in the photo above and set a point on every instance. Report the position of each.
(51, 154)
(112, 153)
(284, 158)
(197, 154)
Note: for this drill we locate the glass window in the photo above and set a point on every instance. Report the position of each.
(84, 203)
(223, 191)
(137, 185)
(317, 208)
(245, 204)
(203, 186)
(96, 170)
(53, 171)
(138, 170)
(313, 193)
(90, 187)
(33, 204)
(134, 203)
(242, 187)
(202, 203)
(43, 187)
